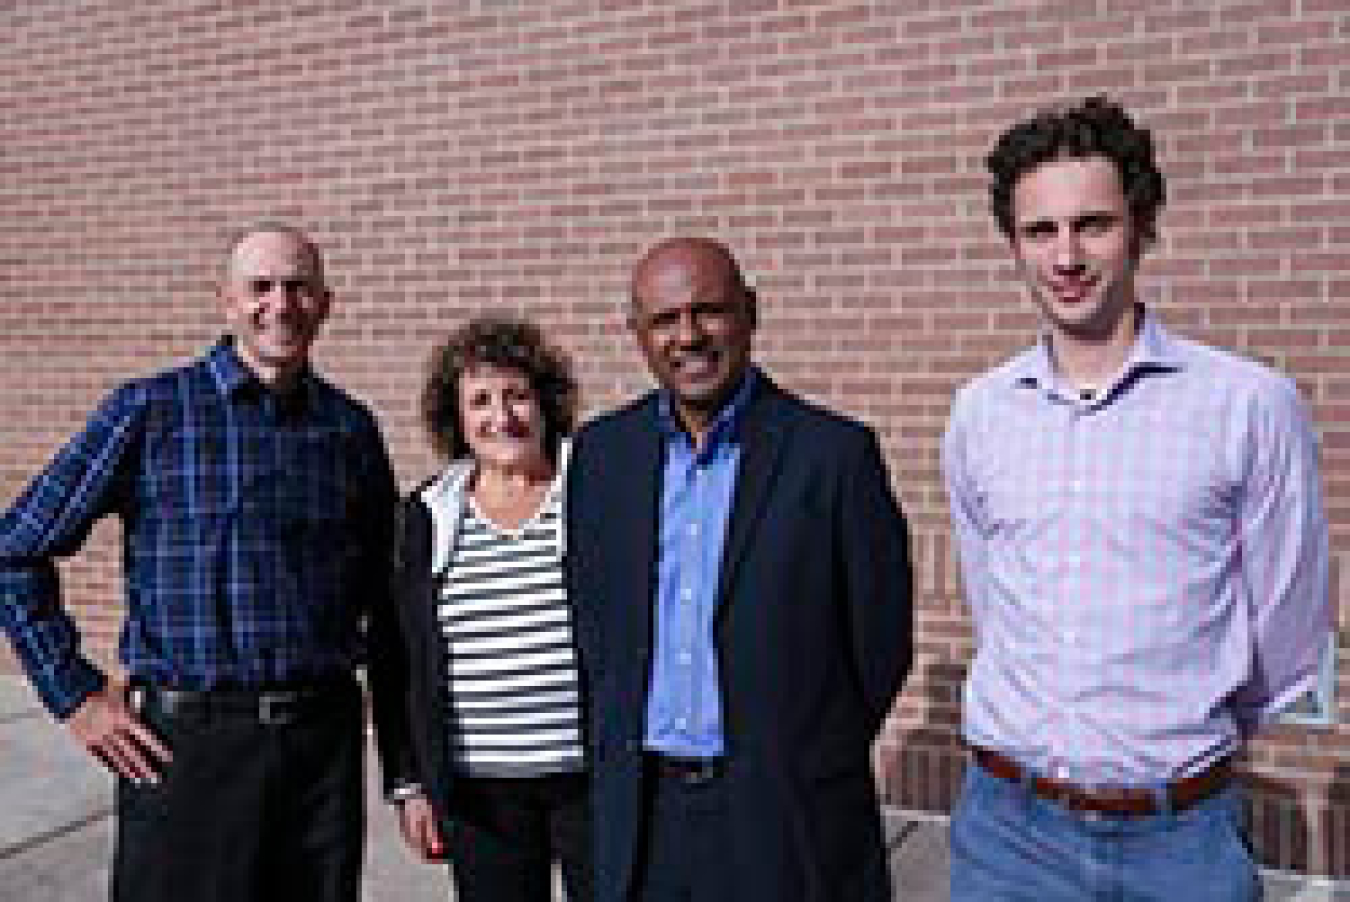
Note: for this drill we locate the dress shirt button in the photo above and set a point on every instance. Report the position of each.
(693, 529)
(681, 723)
(687, 594)
(686, 658)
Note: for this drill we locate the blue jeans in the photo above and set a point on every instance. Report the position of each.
(1008, 845)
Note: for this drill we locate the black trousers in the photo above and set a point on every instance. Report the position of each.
(247, 810)
(507, 832)
(685, 843)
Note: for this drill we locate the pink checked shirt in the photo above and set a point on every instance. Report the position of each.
(1147, 571)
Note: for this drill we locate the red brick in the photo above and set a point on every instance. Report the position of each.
(932, 27)
(1246, 64)
(1323, 108)
(1074, 57)
(1211, 93)
(1209, 43)
(1257, 10)
(1298, 33)
(1179, 21)
(1268, 112)
(1290, 136)
(1293, 238)
(1288, 86)
(1033, 38)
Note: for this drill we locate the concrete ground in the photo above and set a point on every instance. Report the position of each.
(56, 829)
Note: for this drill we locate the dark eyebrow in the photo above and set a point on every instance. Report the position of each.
(1092, 217)
(265, 282)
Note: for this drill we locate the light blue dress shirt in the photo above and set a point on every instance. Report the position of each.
(684, 705)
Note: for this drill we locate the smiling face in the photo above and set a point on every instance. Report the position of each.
(501, 419)
(275, 300)
(693, 318)
(1077, 247)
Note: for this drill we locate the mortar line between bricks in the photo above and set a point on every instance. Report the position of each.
(27, 845)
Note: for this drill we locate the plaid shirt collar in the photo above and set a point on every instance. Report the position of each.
(233, 379)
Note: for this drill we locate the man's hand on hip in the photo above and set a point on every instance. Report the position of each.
(113, 734)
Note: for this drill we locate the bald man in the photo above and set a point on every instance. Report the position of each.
(256, 503)
(741, 576)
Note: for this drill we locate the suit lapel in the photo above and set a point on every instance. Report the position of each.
(762, 441)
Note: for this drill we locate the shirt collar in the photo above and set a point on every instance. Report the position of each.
(724, 425)
(234, 379)
(1154, 350)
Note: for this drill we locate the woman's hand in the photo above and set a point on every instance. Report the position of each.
(420, 831)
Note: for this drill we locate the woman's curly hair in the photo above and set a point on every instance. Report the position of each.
(1094, 127)
(513, 344)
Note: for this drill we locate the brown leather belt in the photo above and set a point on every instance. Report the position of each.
(1122, 801)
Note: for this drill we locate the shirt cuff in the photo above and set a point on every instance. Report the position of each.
(63, 693)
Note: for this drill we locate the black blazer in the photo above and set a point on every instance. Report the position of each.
(813, 631)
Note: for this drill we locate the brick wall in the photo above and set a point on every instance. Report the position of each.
(495, 154)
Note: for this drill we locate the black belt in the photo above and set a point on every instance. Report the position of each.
(266, 706)
(1123, 801)
(686, 771)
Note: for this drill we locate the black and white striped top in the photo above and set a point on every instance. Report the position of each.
(514, 705)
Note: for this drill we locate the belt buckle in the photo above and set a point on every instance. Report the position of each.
(1115, 800)
(701, 773)
(276, 708)
(1062, 794)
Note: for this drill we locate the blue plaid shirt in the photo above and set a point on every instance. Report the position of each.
(256, 532)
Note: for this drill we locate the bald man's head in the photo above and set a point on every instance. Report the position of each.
(693, 316)
(709, 254)
(271, 227)
(275, 300)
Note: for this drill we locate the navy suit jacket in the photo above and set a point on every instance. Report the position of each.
(813, 633)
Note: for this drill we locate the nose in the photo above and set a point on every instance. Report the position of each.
(1068, 251)
(501, 410)
(688, 328)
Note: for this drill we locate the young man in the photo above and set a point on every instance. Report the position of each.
(741, 577)
(1144, 552)
(256, 502)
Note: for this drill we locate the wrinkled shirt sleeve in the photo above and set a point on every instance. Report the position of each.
(1284, 555)
(89, 478)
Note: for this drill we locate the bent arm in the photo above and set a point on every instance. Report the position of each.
(89, 478)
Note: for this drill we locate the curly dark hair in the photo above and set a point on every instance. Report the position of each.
(513, 344)
(1094, 127)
